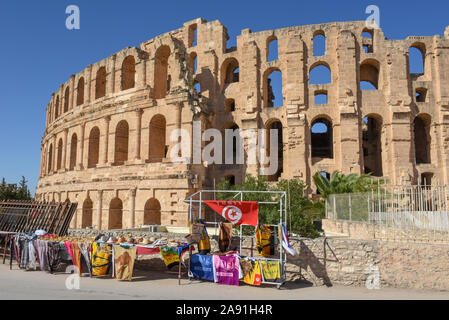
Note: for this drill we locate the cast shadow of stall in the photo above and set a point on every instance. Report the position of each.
(312, 266)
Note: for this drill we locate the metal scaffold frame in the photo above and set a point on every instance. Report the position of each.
(198, 198)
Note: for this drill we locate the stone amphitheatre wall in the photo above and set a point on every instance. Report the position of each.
(107, 139)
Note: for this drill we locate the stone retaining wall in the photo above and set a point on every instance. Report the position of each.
(348, 262)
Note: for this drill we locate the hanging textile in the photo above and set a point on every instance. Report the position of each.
(170, 256)
(237, 212)
(76, 252)
(32, 255)
(265, 240)
(54, 259)
(271, 271)
(202, 267)
(254, 276)
(69, 249)
(124, 257)
(285, 240)
(85, 248)
(42, 251)
(226, 269)
(225, 236)
(101, 258)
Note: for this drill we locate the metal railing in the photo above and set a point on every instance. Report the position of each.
(417, 207)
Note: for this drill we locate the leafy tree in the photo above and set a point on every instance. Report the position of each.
(299, 222)
(12, 192)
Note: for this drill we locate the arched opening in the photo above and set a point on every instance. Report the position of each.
(161, 78)
(73, 148)
(157, 148)
(230, 105)
(421, 126)
(369, 75)
(100, 83)
(273, 89)
(193, 35)
(426, 178)
(416, 58)
(121, 143)
(115, 214)
(197, 86)
(230, 71)
(320, 74)
(152, 212)
(86, 219)
(230, 179)
(367, 40)
(232, 132)
(277, 126)
(128, 73)
(66, 99)
(421, 95)
(272, 49)
(322, 140)
(50, 158)
(372, 144)
(80, 90)
(320, 97)
(59, 159)
(326, 175)
(57, 108)
(319, 44)
(94, 147)
(193, 62)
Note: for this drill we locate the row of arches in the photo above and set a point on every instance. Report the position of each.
(151, 213)
(127, 81)
(156, 152)
(322, 141)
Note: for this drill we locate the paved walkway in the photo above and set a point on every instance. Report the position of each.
(19, 284)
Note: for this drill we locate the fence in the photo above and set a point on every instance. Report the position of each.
(29, 216)
(415, 207)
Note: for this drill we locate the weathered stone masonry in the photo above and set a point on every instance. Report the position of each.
(106, 143)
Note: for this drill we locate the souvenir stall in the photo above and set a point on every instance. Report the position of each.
(101, 256)
(232, 266)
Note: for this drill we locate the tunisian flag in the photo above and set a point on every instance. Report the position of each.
(237, 212)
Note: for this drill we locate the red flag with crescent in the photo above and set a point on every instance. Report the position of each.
(237, 212)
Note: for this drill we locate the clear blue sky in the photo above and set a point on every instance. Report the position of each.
(38, 53)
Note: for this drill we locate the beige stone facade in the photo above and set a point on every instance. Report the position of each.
(107, 138)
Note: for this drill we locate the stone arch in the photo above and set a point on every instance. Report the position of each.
(50, 157)
(416, 58)
(66, 99)
(157, 149)
(275, 124)
(319, 43)
(372, 144)
(94, 147)
(320, 73)
(272, 48)
(237, 142)
(59, 155)
(152, 212)
(80, 90)
(369, 72)
(121, 142)
(73, 149)
(128, 80)
(321, 132)
(229, 71)
(100, 83)
(422, 138)
(272, 89)
(161, 76)
(57, 108)
(86, 218)
(368, 40)
(115, 214)
(193, 62)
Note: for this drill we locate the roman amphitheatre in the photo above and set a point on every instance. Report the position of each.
(107, 141)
